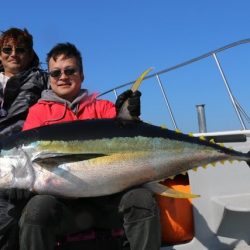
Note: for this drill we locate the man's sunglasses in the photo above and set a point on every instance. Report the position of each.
(57, 72)
(18, 50)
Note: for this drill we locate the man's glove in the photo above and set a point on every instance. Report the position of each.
(134, 102)
(16, 194)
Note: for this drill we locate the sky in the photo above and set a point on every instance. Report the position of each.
(119, 39)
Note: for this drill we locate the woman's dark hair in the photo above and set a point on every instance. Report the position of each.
(20, 36)
(17, 35)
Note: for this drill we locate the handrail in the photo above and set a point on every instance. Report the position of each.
(231, 45)
(238, 109)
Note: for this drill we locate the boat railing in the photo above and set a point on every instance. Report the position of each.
(239, 111)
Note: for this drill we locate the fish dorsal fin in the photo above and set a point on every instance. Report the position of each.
(124, 113)
(168, 192)
(52, 159)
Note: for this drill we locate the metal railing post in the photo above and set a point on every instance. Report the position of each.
(166, 101)
(115, 93)
(229, 91)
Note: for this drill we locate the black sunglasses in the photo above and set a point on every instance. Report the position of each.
(18, 50)
(57, 72)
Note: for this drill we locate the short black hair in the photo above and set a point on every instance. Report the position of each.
(67, 49)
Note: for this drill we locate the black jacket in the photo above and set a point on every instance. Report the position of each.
(21, 91)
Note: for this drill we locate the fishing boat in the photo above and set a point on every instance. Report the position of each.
(220, 217)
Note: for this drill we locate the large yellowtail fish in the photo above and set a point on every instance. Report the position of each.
(102, 157)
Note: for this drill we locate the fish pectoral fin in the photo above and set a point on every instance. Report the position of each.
(50, 159)
(168, 192)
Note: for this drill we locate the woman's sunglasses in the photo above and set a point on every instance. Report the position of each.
(18, 50)
(57, 72)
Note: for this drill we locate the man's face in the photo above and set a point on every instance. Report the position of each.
(65, 77)
(15, 57)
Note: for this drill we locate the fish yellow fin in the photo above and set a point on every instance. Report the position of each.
(137, 83)
(212, 140)
(171, 177)
(168, 192)
(178, 131)
(124, 113)
(163, 126)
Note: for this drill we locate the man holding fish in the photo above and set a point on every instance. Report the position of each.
(47, 217)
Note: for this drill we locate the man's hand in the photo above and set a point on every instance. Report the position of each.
(134, 102)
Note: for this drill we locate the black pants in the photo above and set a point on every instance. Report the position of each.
(45, 218)
(10, 213)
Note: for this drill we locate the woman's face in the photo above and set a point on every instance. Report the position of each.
(15, 57)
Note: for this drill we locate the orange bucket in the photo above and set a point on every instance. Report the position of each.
(176, 214)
